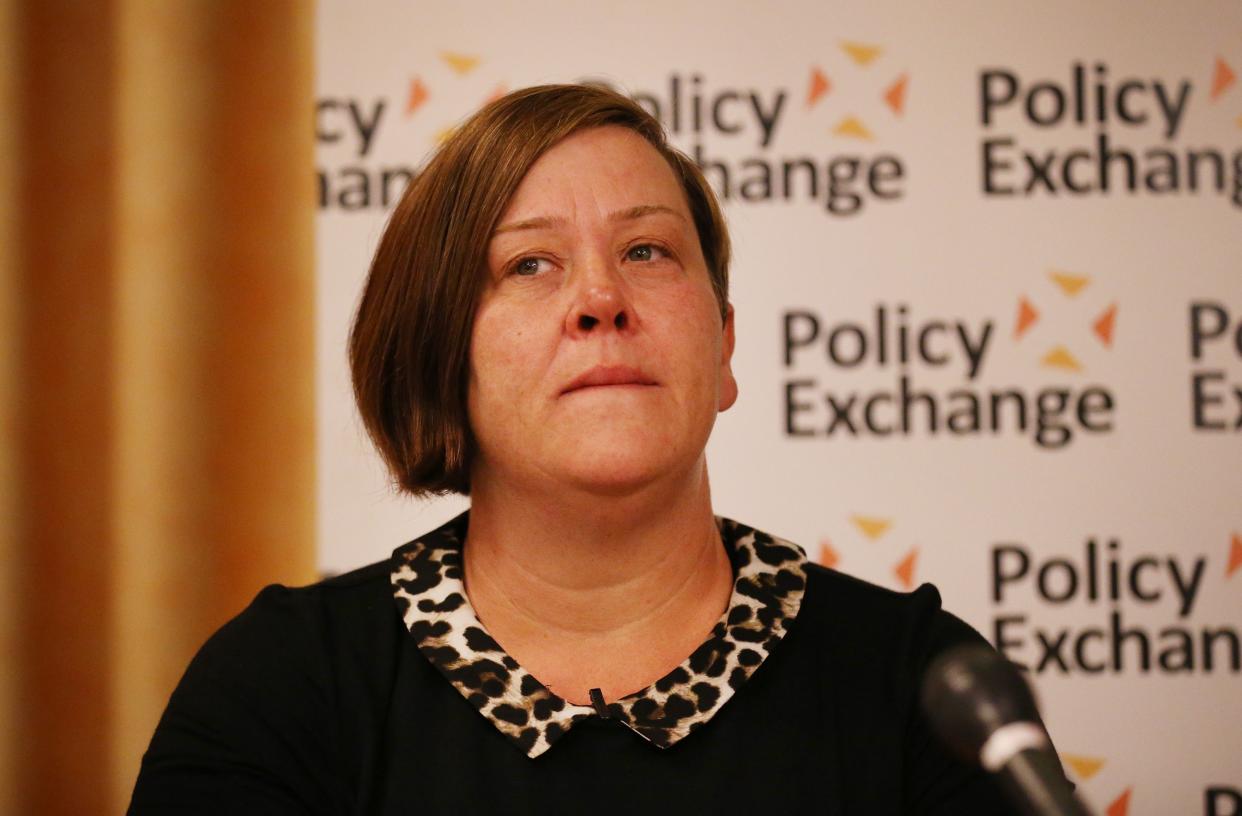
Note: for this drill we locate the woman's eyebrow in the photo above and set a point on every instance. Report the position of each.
(542, 222)
(643, 210)
(548, 222)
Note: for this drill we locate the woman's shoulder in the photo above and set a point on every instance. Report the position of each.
(335, 605)
(266, 708)
(294, 639)
(831, 590)
(912, 627)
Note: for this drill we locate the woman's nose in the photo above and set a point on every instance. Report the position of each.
(601, 304)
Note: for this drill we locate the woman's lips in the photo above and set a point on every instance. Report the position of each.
(611, 375)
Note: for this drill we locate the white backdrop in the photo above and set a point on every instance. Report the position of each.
(1115, 529)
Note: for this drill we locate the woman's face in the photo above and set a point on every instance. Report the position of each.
(598, 358)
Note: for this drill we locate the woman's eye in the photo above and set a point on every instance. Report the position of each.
(527, 266)
(643, 252)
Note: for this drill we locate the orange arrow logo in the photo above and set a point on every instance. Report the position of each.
(1120, 806)
(1070, 284)
(853, 128)
(1084, 767)
(905, 569)
(870, 526)
(818, 87)
(1027, 316)
(1060, 357)
(895, 96)
(862, 54)
(1235, 555)
(418, 95)
(462, 64)
(1103, 325)
(1222, 78)
(827, 555)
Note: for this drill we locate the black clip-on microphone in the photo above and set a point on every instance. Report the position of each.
(985, 712)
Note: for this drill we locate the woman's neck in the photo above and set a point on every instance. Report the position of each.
(589, 592)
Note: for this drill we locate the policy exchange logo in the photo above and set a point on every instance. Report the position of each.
(878, 95)
(1108, 575)
(952, 375)
(1066, 294)
(1127, 131)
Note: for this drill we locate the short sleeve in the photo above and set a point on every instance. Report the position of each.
(250, 728)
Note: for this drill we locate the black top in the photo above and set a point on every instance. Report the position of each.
(319, 700)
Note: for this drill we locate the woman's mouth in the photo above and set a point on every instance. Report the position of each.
(609, 376)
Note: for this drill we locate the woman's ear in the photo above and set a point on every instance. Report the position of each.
(728, 384)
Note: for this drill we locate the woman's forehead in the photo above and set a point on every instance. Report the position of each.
(597, 173)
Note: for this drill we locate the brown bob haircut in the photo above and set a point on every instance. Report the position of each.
(409, 349)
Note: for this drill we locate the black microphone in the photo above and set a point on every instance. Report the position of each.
(985, 712)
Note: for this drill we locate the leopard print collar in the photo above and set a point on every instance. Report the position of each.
(428, 585)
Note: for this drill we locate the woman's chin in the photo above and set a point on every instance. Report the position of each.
(606, 459)
(616, 471)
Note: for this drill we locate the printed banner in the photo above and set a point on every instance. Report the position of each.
(989, 315)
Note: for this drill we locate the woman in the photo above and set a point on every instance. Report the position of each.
(546, 328)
